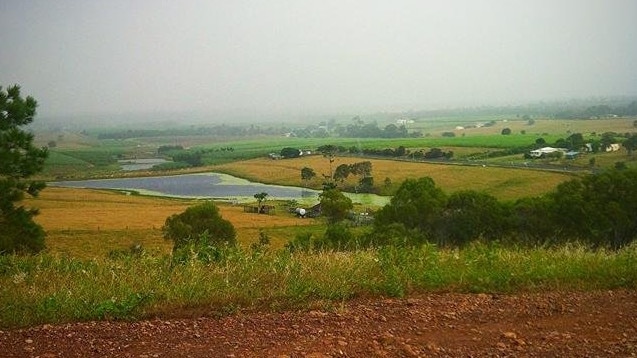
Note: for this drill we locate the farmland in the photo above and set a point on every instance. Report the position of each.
(503, 183)
(91, 223)
(87, 223)
(106, 256)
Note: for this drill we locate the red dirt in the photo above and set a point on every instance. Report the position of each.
(573, 324)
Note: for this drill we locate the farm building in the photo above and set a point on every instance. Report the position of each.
(612, 147)
(538, 153)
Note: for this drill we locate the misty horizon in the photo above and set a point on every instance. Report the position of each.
(296, 59)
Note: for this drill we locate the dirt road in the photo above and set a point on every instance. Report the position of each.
(548, 324)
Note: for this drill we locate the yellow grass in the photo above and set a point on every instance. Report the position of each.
(503, 183)
(90, 223)
(553, 126)
(599, 126)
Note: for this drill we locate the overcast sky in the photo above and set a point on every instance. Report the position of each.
(313, 57)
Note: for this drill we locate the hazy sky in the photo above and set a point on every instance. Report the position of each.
(313, 57)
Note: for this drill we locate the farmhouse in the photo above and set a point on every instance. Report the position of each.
(612, 148)
(538, 153)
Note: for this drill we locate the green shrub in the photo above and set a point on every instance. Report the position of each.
(199, 226)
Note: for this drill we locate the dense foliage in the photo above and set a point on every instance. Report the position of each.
(335, 205)
(599, 210)
(20, 160)
(289, 152)
(199, 228)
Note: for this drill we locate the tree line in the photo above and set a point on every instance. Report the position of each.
(598, 210)
(598, 111)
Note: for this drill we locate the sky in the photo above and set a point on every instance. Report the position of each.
(296, 57)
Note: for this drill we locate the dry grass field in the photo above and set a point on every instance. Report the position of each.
(90, 223)
(566, 127)
(563, 127)
(502, 183)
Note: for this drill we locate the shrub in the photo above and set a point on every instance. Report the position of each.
(335, 205)
(289, 152)
(199, 224)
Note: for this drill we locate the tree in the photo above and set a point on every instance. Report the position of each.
(20, 160)
(342, 172)
(194, 159)
(329, 151)
(531, 220)
(608, 138)
(335, 205)
(600, 209)
(261, 197)
(307, 174)
(401, 151)
(197, 224)
(575, 141)
(506, 131)
(471, 215)
(417, 204)
(288, 152)
(529, 121)
(366, 184)
(361, 168)
(364, 170)
(631, 144)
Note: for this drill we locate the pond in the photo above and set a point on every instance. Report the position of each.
(214, 186)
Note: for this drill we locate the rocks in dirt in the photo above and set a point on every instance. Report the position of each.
(511, 325)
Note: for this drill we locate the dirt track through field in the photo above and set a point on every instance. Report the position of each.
(439, 325)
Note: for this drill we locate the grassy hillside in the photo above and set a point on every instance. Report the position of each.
(90, 223)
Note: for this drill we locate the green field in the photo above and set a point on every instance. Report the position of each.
(79, 156)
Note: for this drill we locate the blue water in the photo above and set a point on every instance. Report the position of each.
(208, 185)
(215, 186)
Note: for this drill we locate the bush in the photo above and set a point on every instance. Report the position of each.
(335, 205)
(199, 225)
(289, 152)
(170, 166)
